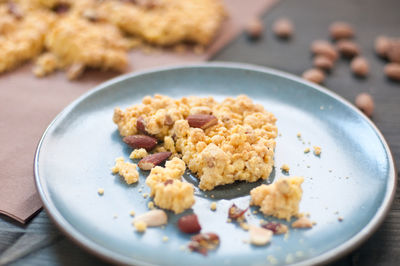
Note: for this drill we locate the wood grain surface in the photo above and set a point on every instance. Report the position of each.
(40, 243)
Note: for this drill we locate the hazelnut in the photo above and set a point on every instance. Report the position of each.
(382, 44)
(341, 30)
(365, 103)
(348, 48)
(322, 47)
(283, 28)
(360, 66)
(314, 75)
(323, 62)
(254, 28)
(392, 70)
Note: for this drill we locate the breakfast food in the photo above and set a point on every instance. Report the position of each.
(219, 142)
(73, 35)
(280, 199)
(127, 170)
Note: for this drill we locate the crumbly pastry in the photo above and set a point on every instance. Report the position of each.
(127, 170)
(165, 22)
(280, 199)
(240, 146)
(89, 33)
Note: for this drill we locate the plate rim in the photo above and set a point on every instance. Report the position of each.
(108, 255)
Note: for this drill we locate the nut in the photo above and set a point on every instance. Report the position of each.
(348, 48)
(321, 47)
(283, 28)
(189, 224)
(141, 125)
(61, 8)
(235, 213)
(14, 10)
(141, 141)
(314, 75)
(302, 222)
(202, 121)
(341, 30)
(152, 218)
(203, 242)
(360, 66)
(392, 70)
(75, 71)
(259, 236)
(153, 160)
(276, 228)
(382, 44)
(393, 52)
(365, 103)
(323, 62)
(254, 28)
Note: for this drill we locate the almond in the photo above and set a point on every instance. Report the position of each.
(323, 62)
(276, 228)
(189, 224)
(348, 48)
(382, 44)
(360, 66)
(322, 47)
(254, 28)
(202, 121)
(365, 103)
(314, 75)
(393, 53)
(302, 222)
(153, 160)
(141, 141)
(259, 236)
(341, 30)
(152, 218)
(203, 242)
(283, 28)
(392, 70)
(141, 125)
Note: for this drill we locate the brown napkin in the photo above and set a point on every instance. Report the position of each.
(28, 105)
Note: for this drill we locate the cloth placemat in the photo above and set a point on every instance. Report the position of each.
(28, 105)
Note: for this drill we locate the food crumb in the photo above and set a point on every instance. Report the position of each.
(145, 195)
(100, 191)
(285, 167)
(289, 258)
(213, 206)
(317, 150)
(229, 220)
(340, 218)
(132, 213)
(255, 212)
(271, 259)
(299, 135)
(244, 226)
(212, 196)
(150, 205)
(306, 150)
(302, 222)
(165, 238)
(140, 226)
(140, 190)
(238, 188)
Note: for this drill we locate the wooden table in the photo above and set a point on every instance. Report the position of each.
(40, 243)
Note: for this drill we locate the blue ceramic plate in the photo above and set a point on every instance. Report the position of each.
(353, 179)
